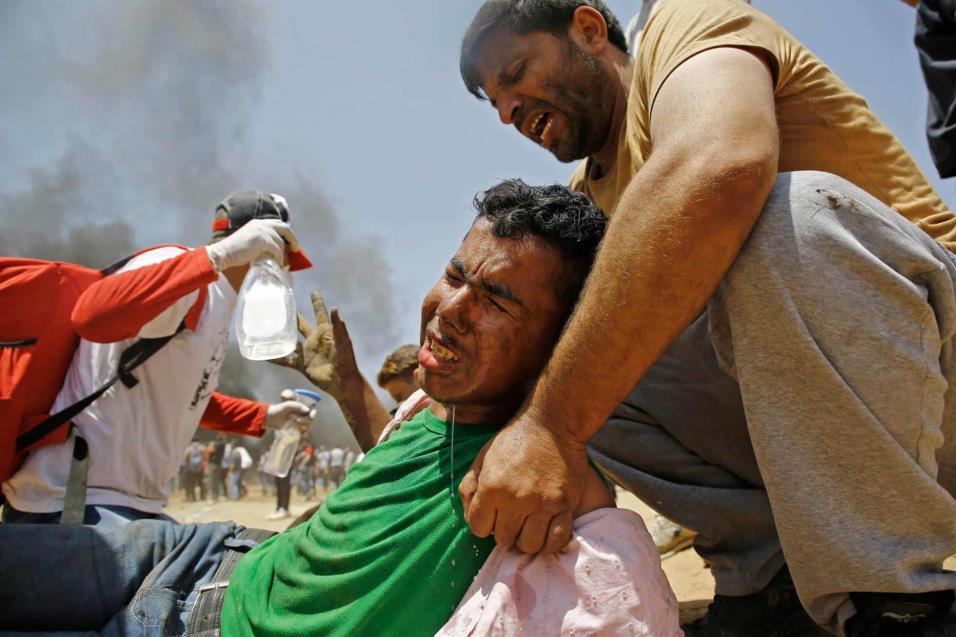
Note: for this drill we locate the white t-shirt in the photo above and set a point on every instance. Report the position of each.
(136, 436)
(336, 457)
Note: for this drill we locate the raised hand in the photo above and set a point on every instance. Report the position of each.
(325, 356)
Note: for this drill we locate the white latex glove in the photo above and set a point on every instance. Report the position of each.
(286, 413)
(248, 243)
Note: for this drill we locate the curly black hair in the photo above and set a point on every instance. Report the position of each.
(525, 16)
(565, 219)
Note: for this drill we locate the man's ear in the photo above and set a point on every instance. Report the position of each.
(588, 29)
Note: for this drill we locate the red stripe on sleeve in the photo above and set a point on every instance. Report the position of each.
(235, 415)
(118, 306)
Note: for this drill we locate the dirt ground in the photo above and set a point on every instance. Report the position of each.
(691, 580)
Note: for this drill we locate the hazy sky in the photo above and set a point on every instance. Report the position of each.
(143, 114)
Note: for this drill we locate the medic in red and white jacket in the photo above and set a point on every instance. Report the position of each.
(136, 436)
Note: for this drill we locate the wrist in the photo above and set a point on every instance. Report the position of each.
(555, 423)
(215, 259)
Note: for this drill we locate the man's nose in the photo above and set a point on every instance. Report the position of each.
(454, 309)
(508, 109)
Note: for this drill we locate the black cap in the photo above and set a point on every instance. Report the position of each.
(241, 207)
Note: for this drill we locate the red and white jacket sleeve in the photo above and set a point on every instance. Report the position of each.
(119, 306)
(235, 415)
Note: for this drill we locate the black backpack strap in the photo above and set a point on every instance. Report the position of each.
(74, 501)
(131, 358)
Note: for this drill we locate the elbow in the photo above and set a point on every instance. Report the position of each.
(93, 326)
(744, 175)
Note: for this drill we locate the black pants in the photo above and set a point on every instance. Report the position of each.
(283, 491)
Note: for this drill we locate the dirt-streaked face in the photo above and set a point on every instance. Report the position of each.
(555, 93)
(490, 322)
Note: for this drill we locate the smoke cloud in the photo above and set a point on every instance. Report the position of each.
(161, 98)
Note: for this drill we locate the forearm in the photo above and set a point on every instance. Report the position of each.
(364, 412)
(675, 233)
(235, 415)
(118, 306)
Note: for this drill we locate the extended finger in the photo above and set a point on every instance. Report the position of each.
(318, 306)
(559, 532)
(287, 394)
(534, 532)
(304, 328)
(344, 352)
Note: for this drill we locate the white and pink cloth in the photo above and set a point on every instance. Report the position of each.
(607, 581)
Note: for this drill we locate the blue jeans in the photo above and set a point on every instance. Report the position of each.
(95, 514)
(137, 580)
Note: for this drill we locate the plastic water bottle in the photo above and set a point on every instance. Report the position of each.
(266, 325)
(286, 443)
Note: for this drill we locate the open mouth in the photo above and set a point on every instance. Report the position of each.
(434, 355)
(442, 353)
(541, 126)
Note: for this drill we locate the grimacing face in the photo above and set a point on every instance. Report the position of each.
(490, 322)
(552, 91)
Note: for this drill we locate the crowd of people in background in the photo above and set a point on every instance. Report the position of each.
(218, 469)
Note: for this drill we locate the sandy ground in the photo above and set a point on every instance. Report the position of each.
(690, 579)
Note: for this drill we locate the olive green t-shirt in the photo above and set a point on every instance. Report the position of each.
(823, 124)
(389, 553)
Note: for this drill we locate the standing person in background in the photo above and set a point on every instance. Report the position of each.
(134, 435)
(239, 460)
(336, 466)
(349, 458)
(193, 468)
(322, 475)
(266, 481)
(215, 473)
(283, 497)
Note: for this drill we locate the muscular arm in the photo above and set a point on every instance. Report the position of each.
(364, 412)
(677, 229)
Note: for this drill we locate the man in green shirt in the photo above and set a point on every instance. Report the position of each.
(390, 552)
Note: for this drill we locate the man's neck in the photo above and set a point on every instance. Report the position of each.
(622, 68)
(473, 414)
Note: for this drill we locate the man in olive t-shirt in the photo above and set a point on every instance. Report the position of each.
(773, 303)
(389, 553)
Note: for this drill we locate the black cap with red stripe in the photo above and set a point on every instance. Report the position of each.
(241, 207)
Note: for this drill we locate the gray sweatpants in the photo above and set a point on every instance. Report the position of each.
(806, 415)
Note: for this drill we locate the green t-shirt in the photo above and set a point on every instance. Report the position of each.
(388, 553)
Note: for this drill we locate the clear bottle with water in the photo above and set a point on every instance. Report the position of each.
(266, 320)
(286, 443)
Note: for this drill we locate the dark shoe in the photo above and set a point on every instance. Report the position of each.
(902, 615)
(775, 611)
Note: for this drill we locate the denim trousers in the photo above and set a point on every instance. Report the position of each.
(134, 580)
(95, 514)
